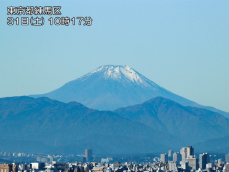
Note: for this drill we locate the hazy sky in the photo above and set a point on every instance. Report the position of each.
(182, 45)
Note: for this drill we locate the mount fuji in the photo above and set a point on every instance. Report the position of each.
(113, 86)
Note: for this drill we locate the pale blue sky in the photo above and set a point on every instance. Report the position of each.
(182, 45)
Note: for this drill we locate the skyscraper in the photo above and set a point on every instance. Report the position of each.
(183, 153)
(88, 155)
(204, 159)
(188, 155)
(227, 157)
(164, 157)
(170, 153)
(187, 152)
(177, 157)
(190, 151)
(226, 168)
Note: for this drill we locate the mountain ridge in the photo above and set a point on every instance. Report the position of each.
(61, 124)
(167, 115)
(114, 86)
(157, 125)
(110, 87)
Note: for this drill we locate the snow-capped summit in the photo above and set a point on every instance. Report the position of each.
(110, 87)
(117, 72)
(120, 74)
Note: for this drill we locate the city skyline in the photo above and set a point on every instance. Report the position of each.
(167, 163)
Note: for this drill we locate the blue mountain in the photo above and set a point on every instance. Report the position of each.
(114, 86)
(71, 127)
(189, 123)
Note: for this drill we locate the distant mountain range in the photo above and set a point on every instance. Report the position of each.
(145, 118)
(114, 86)
(58, 124)
(154, 126)
(190, 123)
(217, 145)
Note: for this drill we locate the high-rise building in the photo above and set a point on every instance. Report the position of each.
(204, 159)
(88, 155)
(226, 167)
(227, 157)
(170, 153)
(190, 152)
(177, 157)
(192, 162)
(183, 153)
(187, 152)
(164, 157)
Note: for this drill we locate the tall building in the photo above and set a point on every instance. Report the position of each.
(227, 157)
(190, 151)
(187, 152)
(88, 155)
(204, 159)
(177, 157)
(164, 157)
(170, 153)
(226, 167)
(192, 162)
(183, 153)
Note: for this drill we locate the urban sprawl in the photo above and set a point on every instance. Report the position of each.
(183, 161)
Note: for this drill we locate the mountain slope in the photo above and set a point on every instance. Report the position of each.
(60, 124)
(219, 145)
(110, 87)
(113, 86)
(190, 123)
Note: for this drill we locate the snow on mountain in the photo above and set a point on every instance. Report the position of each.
(120, 74)
(112, 86)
